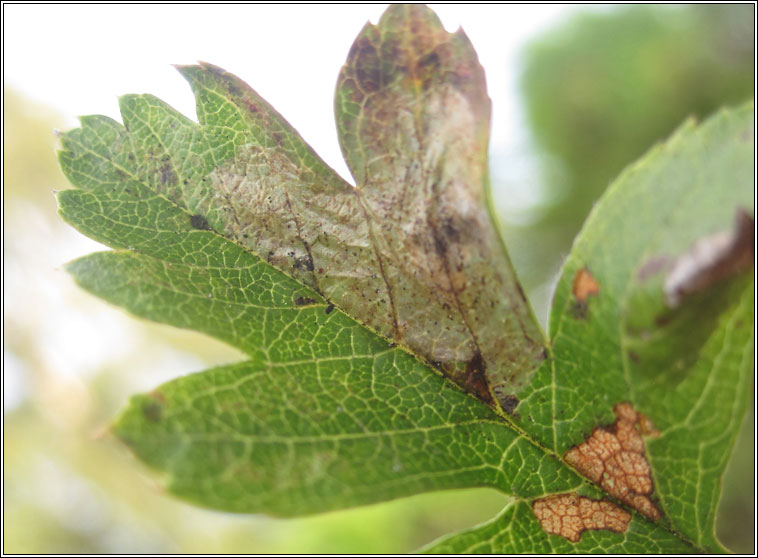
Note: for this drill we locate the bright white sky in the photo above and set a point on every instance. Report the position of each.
(80, 58)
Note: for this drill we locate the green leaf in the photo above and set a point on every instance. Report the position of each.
(390, 348)
(687, 367)
(326, 433)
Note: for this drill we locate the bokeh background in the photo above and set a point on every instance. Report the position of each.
(578, 93)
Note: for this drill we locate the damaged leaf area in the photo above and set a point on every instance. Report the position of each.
(568, 515)
(389, 349)
(614, 458)
(413, 117)
(688, 368)
(411, 251)
(712, 259)
(348, 300)
(584, 285)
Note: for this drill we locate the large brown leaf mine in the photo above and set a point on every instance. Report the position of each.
(414, 116)
(614, 458)
(568, 515)
(410, 251)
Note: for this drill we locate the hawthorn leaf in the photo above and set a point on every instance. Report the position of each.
(329, 433)
(617, 337)
(410, 252)
(390, 348)
(235, 228)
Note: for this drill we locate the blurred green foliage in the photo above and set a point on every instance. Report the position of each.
(602, 88)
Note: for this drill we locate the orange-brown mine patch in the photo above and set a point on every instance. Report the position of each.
(568, 515)
(584, 285)
(614, 458)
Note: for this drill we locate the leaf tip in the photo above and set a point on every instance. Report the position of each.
(186, 70)
(218, 70)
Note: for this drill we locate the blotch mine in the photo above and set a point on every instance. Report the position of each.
(569, 515)
(614, 458)
(585, 285)
(712, 259)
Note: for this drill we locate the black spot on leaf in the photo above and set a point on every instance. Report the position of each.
(507, 402)
(475, 380)
(304, 301)
(200, 223)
